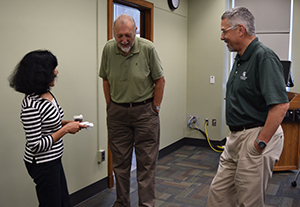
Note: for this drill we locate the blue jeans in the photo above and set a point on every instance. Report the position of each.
(51, 186)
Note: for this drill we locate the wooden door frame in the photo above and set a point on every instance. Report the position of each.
(147, 8)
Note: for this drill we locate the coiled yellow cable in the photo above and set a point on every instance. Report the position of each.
(209, 141)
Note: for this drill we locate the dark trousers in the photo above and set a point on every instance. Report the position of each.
(51, 186)
(137, 127)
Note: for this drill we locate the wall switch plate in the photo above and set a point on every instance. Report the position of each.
(214, 122)
(212, 79)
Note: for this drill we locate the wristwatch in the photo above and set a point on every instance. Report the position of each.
(261, 144)
(157, 108)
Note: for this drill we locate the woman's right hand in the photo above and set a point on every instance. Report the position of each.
(71, 127)
(74, 127)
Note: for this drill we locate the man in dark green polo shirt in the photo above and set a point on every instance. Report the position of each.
(256, 103)
(133, 85)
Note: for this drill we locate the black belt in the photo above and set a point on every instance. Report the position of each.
(248, 126)
(134, 104)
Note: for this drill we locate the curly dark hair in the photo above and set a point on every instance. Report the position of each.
(34, 72)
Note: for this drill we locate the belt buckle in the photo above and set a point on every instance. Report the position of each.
(130, 105)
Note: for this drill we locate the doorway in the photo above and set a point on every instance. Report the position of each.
(142, 12)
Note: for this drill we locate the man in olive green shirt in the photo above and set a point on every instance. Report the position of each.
(133, 85)
(256, 103)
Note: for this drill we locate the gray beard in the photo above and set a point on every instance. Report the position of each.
(126, 49)
(230, 47)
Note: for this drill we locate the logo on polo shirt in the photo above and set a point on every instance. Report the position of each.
(244, 76)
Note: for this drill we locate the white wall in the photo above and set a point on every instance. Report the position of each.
(170, 39)
(68, 29)
(205, 59)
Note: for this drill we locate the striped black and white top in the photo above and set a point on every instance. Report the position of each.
(40, 119)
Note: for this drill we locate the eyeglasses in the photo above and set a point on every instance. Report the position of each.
(224, 31)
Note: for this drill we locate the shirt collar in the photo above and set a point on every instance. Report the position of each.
(249, 50)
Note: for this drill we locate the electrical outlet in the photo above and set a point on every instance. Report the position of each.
(101, 156)
(207, 121)
(196, 119)
(214, 122)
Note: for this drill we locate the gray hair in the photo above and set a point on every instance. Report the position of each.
(240, 15)
(124, 18)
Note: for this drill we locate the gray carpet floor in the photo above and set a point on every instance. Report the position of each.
(183, 178)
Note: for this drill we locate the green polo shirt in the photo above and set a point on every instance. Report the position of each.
(131, 77)
(255, 83)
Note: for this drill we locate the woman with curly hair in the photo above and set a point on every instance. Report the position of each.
(41, 116)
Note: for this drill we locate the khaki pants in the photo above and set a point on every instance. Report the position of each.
(243, 173)
(136, 126)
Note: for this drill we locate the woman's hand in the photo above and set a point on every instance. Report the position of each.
(71, 127)
(74, 127)
(64, 122)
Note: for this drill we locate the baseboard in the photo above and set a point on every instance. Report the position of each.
(89, 191)
(99, 186)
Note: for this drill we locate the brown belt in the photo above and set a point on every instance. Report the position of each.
(134, 104)
(248, 126)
